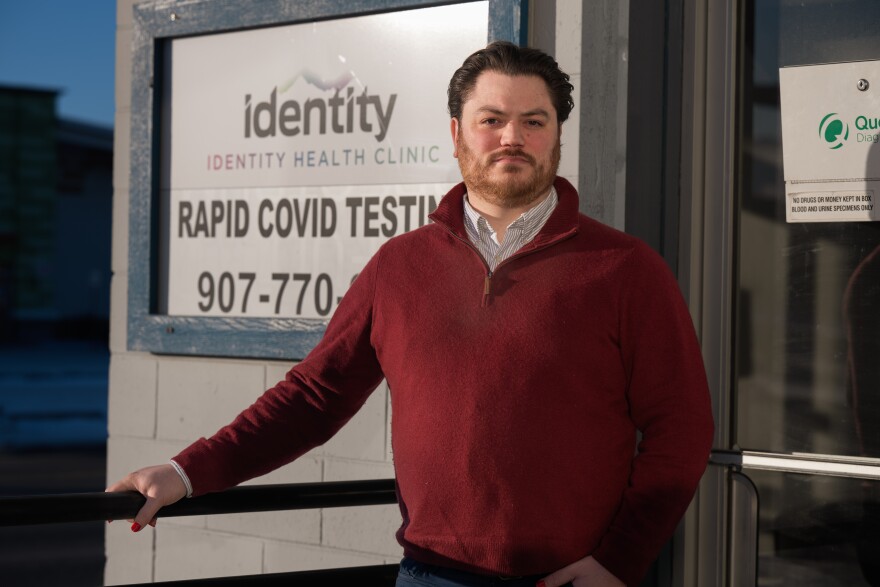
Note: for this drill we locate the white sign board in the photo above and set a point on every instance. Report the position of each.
(831, 141)
(294, 152)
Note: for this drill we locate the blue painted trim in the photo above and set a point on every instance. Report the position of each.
(153, 22)
(508, 21)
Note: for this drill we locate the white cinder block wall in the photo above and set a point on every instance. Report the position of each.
(159, 404)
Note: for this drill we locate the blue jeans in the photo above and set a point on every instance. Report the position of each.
(416, 574)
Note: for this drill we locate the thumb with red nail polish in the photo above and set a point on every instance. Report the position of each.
(160, 485)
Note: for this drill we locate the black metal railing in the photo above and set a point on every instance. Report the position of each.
(86, 507)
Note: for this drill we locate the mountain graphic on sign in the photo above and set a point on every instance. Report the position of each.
(314, 79)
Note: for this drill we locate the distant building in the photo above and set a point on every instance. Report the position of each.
(56, 188)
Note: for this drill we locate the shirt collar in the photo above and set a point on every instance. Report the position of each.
(532, 220)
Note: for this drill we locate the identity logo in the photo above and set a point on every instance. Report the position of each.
(834, 131)
(347, 113)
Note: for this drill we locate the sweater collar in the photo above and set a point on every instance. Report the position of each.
(562, 223)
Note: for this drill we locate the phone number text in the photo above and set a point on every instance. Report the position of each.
(304, 293)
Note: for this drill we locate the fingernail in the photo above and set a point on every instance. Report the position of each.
(540, 584)
(135, 527)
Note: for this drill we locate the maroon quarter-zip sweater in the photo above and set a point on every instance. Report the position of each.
(516, 396)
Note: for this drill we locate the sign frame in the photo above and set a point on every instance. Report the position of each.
(155, 23)
(829, 176)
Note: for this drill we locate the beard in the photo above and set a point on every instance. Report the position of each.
(519, 185)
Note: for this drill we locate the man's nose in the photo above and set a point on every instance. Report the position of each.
(512, 135)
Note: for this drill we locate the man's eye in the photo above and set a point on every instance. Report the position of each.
(490, 121)
(535, 123)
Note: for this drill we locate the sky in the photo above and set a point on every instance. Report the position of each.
(64, 45)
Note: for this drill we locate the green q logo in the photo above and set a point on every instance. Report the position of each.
(833, 131)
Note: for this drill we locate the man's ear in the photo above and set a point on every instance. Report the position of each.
(454, 128)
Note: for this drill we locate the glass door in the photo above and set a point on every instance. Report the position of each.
(807, 321)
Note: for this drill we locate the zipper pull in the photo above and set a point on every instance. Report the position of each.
(487, 287)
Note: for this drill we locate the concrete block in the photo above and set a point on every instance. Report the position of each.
(364, 529)
(197, 522)
(129, 556)
(197, 397)
(275, 372)
(298, 525)
(126, 454)
(186, 553)
(119, 245)
(118, 311)
(291, 526)
(124, 16)
(132, 399)
(348, 470)
(305, 469)
(121, 155)
(364, 436)
(123, 68)
(316, 453)
(283, 557)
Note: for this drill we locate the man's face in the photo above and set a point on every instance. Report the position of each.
(507, 142)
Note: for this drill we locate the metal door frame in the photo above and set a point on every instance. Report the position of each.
(720, 541)
(706, 269)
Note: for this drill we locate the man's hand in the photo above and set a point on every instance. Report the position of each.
(586, 572)
(161, 485)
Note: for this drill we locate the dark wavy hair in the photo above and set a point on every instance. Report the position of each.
(509, 59)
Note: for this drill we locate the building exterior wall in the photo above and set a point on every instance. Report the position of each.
(159, 404)
(84, 187)
(27, 205)
(55, 180)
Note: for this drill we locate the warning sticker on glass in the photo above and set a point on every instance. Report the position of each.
(851, 206)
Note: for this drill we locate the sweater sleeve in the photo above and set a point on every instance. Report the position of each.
(669, 404)
(316, 398)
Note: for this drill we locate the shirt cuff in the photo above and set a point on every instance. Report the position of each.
(183, 477)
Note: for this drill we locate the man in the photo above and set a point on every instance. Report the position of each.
(524, 345)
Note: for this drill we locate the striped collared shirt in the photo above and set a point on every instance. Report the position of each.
(521, 231)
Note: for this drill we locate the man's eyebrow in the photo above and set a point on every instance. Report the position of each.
(498, 111)
(537, 112)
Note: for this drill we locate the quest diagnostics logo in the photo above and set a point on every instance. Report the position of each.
(833, 130)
